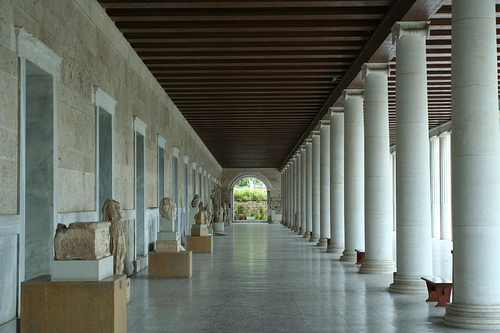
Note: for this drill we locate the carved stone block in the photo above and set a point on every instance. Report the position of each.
(82, 240)
(167, 246)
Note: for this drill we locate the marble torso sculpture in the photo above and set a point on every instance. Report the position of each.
(168, 208)
(199, 218)
(196, 201)
(112, 212)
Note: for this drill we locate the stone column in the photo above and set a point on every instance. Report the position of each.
(290, 196)
(309, 207)
(298, 194)
(445, 185)
(324, 232)
(434, 170)
(287, 197)
(315, 186)
(283, 194)
(475, 160)
(354, 204)
(303, 191)
(378, 208)
(294, 193)
(336, 180)
(413, 231)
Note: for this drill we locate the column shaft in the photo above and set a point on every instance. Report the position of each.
(324, 232)
(315, 187)
(445, 186)
(413, 231)
(303, 191)
(475, 158)
(336, 180)
(434, 170)
(298, 198)
(378, 209)
(354, 204)
(309, 208)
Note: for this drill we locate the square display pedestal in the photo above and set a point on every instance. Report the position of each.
(74, 306)
(82, 270)
(170, 264)
(203, 244)
(167, 246)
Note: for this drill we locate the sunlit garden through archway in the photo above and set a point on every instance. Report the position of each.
(250, 200)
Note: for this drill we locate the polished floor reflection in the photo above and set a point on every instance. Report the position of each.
(266, 278)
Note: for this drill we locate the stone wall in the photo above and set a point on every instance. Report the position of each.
(250, 206)
(94, 54)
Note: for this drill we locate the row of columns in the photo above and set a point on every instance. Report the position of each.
(346, 186)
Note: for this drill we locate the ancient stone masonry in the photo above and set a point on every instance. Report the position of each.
(82, 240)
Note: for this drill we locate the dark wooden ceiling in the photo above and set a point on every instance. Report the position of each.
(253, 78)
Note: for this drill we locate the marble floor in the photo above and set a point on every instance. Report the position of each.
(265, 278)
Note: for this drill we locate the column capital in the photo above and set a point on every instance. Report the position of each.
(324, 122)
(336, 109)
(308, 141)
(375, 68)
(315, 133)
(352, 93)
(444, 134)
(399, 29)
(303, 146)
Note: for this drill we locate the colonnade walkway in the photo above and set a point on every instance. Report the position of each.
(266, 278)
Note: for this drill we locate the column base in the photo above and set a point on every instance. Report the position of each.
(301, 232)
(307, 234)
(475, 317)
(349, 256)
(314, 238)
(322, 242)
(333, 249)
(377, 267)
(408, 285)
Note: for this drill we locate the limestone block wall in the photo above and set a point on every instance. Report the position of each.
(94, 55)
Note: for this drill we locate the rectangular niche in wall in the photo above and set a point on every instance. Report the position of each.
(175, 184)
(40, 168)
(140, 198)
(105, 110)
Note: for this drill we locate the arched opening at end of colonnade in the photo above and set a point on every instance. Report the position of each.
(250, 198)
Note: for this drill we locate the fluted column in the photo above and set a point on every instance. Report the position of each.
(324, 232)
(434, 171)
(295, 192)
(445, 185)
(283, 195)
(354, 203)
(292, 194)
(315, 186)
(298, 198)
(413, 231)
(378, 209)
(309, 208)
(303, 190)
(336, 180)
(475, 159)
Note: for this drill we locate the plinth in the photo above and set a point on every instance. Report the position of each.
(200, 244)
(74, 306)
(170, 264)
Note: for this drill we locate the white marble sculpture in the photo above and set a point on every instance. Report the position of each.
(168, 208)
(82, 241)
(196, 201)
(112, 212)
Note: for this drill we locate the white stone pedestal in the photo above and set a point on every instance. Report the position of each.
(82, 270)
(218, 227)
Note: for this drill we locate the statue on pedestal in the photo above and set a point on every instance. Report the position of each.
(112, 212)
(168, 208)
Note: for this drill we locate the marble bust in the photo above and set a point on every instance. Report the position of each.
(112, 212)
(168, 208)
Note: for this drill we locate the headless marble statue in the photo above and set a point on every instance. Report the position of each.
(112, 212)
